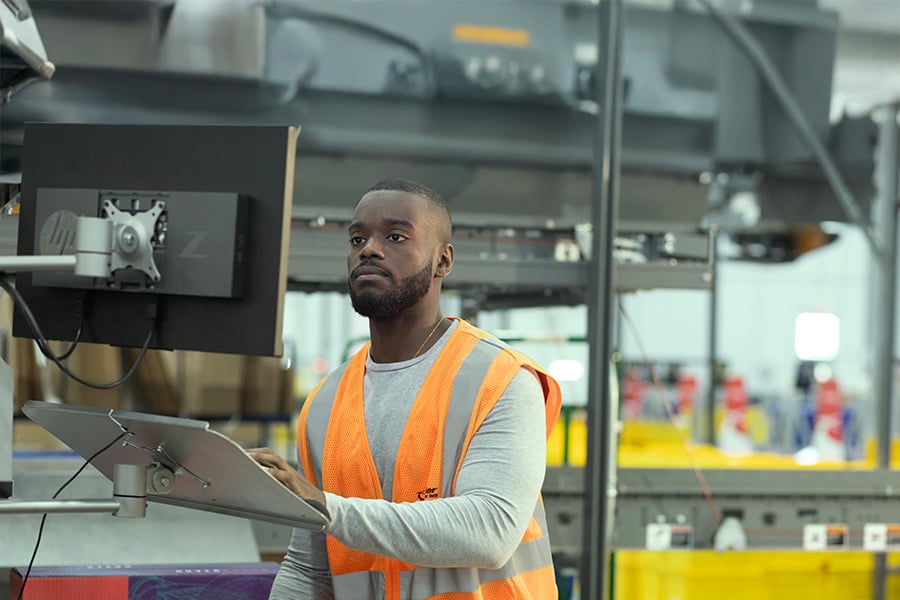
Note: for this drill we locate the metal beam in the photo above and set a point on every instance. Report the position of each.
(598, 505)
(885, 219)
(25, 507)
(773, 506)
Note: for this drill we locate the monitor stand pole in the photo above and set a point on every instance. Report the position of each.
(6, 428)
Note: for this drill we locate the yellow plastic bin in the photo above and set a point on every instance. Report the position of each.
(709, 575)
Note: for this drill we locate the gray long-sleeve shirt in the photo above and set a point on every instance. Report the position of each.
(496, 491)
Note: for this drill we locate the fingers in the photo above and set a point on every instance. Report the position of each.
(289, 479)
(267, 458)
(278, 468)
(254, 452)
(273, 464)
(286, 478)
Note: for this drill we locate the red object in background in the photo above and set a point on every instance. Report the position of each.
(736, 402)
(70, 588)
(687, 393)
(632, 394)
(828, 406)
(247, 581)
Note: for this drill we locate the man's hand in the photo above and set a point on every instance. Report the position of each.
(287, 475)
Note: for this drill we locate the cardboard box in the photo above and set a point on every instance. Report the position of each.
(31, 436)
(248, 581)
(211, 384)
(244, 433)
(263, 387)
(154, 382)
(27, 380)
(290, 403)
(20, 355)
(96, 363)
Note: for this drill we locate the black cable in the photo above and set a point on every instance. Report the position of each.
(45, 349)
(20, 303)
(698, 471)
(75, 341)
(37, 543)
(78, 332)
(280, 9)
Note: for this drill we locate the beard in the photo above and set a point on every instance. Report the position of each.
(369, 302)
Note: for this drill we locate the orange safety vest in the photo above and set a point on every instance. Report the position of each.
(468, 377)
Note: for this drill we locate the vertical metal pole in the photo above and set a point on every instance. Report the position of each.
(885, 221)
(7, 407)
(709, 412)
(598, 490)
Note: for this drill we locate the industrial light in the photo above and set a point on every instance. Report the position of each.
(566, 370)
(817, 336)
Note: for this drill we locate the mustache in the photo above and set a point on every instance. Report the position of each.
(370, 267)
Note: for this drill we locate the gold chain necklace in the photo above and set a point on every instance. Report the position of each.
(428, 338)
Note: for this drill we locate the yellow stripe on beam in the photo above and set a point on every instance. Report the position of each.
(491, 35)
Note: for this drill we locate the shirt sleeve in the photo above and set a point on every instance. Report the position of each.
(496, 493)
(304, 572)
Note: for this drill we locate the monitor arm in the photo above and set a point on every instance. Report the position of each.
(103, 245)
(129, 498)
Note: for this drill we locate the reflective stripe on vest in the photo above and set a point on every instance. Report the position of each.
(362, 585)
(317, 415)
(423, 583)
(462, 401)
(468, 357)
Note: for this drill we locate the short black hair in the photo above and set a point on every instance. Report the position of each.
(437, 201)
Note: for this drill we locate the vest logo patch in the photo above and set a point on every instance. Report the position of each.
(428, 494)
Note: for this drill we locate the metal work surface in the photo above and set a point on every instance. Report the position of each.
(212, 473)
(168, 534)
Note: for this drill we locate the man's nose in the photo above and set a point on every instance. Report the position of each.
(371, 248)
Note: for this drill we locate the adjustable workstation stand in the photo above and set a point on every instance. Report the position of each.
(169, 460)
(18, 264)
(165, 459)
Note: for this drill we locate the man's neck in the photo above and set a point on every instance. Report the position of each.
(406, 336)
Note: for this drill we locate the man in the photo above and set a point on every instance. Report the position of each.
(429, 444)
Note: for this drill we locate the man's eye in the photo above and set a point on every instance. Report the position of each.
(396, 237)
(356, 240)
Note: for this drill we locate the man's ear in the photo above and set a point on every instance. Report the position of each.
(445, 262)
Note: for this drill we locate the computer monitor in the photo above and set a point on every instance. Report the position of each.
(216, 202)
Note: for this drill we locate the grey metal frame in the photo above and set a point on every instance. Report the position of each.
(600, 468)
(781, 501)
(774, 505)
(885, 220)
(6, 430)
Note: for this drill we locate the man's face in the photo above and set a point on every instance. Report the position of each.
(392, 254)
